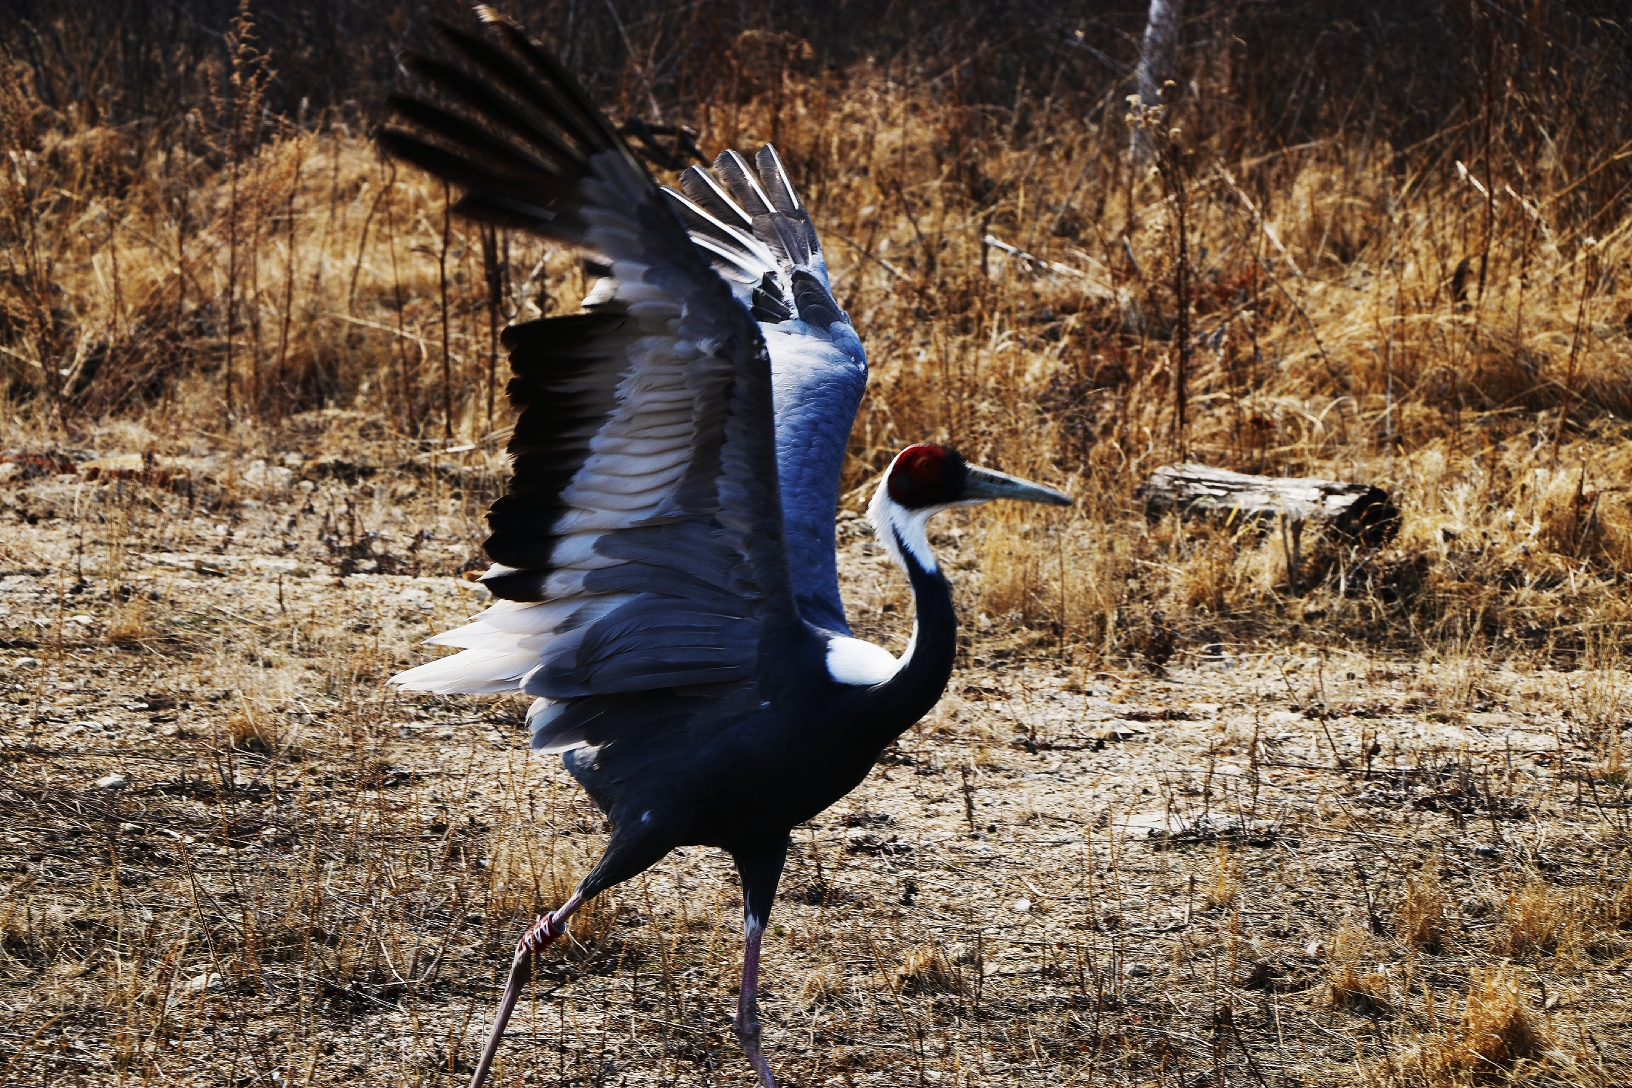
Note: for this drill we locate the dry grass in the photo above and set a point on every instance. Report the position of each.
(1536, 919)
(306, 874)
(1422, 913)
(1373, 831)
(1517, 533)
(928, 971)
(1498, 1034)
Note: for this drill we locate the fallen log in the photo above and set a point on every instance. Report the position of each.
(1355, 513)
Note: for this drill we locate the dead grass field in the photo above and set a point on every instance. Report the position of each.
(1276, 863)
(1182, 818)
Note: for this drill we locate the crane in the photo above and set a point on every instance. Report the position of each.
(664, 557)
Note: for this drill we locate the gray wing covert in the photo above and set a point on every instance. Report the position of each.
(760, 239)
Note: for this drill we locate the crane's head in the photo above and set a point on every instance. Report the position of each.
(925, 479)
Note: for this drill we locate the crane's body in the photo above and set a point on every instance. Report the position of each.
(664, 556)
(738, 774)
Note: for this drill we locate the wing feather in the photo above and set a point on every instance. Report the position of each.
(639, 545)
(756, 233)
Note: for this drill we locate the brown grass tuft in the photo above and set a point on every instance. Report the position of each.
(822, 986)
(1350, 985)
(249, 731)
(1498, 1027)
(129, 624)
(1359, 991)
(1420, 918)
(1497, 1031)
(929, 970)
(1535, 920)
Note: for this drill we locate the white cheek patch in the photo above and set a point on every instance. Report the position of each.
(899, 529)
(852, 661)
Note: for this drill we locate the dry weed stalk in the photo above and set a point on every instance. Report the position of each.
(1225, 886)
(1421, 917)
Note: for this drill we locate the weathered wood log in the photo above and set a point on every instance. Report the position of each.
(1356, 513)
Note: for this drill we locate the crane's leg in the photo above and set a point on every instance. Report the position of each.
(761, 869)
(538, 937)
(627, 855)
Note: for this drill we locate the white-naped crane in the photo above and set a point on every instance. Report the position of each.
(663, 557)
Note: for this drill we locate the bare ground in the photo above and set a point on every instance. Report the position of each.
(230, 856)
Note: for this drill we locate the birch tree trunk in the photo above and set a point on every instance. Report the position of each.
(1155, 66)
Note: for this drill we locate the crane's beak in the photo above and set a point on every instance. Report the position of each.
(985, 483)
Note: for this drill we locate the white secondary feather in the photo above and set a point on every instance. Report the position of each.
(512, 627)
(540, 715)
(853, 661)
(477, 672)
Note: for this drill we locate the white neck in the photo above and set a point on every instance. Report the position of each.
(850, 660)
(898, 527)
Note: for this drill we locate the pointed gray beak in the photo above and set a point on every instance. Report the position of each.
(986, 483)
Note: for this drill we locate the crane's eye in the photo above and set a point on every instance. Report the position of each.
(927, 475)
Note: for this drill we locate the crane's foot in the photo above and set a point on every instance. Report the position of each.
(747, 1033)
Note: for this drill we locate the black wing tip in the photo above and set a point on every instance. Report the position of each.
(773, 176)
(506, 63)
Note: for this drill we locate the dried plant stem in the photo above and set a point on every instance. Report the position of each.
(288, 276)
(232, 285)
(494, 271)
(1575, 346)
(442, 289)
(407, 383)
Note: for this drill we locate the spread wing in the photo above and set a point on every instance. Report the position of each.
(760, 239)
(639, 546)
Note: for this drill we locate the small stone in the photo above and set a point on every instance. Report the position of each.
(26, 663)
(114, 781)
(1314, 950)
(1021, 906)
(1138, 970)
(1486, 850)
(210, 981)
